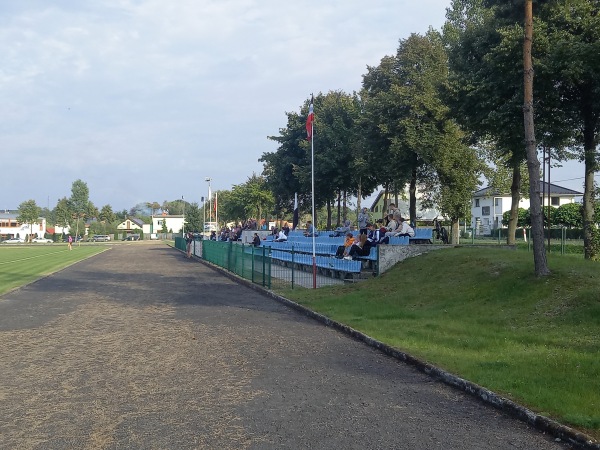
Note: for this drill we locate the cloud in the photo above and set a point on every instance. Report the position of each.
(142, 99)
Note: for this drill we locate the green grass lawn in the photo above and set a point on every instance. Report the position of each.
(22, 264)
(481, 314)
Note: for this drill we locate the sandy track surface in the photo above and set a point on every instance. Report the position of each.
(140, 348)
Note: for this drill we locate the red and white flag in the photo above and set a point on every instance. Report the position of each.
(310, 120)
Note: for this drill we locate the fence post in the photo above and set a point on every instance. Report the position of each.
(263, 267)
(252, 276)
(293, 266)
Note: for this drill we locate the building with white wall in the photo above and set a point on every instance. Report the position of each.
(488, 205)
(10, 227)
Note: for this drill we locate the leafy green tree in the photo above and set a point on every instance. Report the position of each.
(79, 203)
(193, 218)
(523, 218)
(573, 68)
(29, 213)
(253, 197)
(280, 168)
(63, 213)
(569, 215)
(106, 214)
(485, 43)
(412, 125)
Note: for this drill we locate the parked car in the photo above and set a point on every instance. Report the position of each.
(100, 238)
(40, 240)
(14, 241)
(131, 237)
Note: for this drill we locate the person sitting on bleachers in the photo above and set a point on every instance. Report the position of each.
(341, 231)
(281, 237)
(343, 250)
(392, 226)
(310, 230)
(377, 235)
(405, 229)
(364, 244)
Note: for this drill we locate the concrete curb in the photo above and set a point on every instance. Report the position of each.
(542, 423)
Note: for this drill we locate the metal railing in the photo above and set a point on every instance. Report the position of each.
(259, 265)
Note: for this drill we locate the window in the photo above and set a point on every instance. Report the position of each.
(485, 210)
(555, 201)
(496, 202)
(476, 203)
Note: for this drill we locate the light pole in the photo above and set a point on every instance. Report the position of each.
(203, 200)
(183, 225)
(208, 180)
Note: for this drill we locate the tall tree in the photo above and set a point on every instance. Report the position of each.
(79, 202)
(573, 69)
(485, 43)
(193, 217)
(106, 214)
(29, 213)
(63, 213)
(533, 164)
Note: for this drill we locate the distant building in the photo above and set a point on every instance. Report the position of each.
(131, 225)
(10, 226)
(172, 223)
(489, 205)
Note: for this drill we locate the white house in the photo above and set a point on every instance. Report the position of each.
(173, 223)
(488, 205)
(10, 227)
(130, 225)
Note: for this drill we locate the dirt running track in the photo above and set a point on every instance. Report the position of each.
(141, 348)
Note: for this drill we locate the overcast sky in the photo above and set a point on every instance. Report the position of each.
(144, 99)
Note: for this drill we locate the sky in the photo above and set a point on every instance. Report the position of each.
(145, 99)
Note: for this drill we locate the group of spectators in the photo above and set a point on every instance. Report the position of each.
(372, 234)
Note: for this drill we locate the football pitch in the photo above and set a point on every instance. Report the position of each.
(23, 264)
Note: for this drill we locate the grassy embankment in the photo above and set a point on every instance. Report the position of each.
(482, 314)
(22, 264)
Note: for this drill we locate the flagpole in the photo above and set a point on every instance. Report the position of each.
(312, 169)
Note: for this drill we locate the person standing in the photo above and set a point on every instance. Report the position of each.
(188, 241)
(363, 220)
(70, 241)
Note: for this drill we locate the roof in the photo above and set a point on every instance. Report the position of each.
(554, 189)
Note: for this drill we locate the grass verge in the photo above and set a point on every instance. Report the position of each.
(22, 264)
(483, 315)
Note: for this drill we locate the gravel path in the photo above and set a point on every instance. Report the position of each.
(141, 348)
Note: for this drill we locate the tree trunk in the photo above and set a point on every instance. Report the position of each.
(344, 206)
(590, 233)
(339, 208)
(533, 164)
(455, 232)
(386, 202)
(515, 192)
(329, 214)
(412, 193)
(358, 199)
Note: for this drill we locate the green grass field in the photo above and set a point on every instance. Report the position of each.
(481, 314)
(22, 264)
